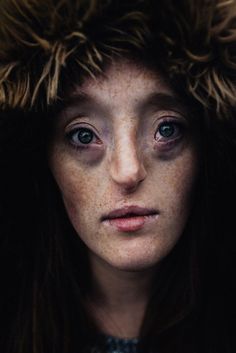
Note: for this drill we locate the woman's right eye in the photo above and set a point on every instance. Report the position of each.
(81, 136)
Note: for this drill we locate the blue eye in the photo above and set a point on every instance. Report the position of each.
(168, 130)
(81, 136)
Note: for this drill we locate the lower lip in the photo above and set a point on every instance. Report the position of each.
(131, 224)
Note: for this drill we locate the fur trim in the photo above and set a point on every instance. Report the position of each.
(200, 44)
(39, 38)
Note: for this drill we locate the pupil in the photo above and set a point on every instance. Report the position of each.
(167, 130)
(85, 136)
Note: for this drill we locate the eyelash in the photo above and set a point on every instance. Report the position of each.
(164, 141)
(80, 145)
(178, 132)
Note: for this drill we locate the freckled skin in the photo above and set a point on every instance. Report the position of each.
(127, 168)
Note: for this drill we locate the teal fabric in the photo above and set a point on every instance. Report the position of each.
(120, 345)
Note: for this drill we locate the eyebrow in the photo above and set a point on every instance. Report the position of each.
(76, 99)
(79, 99)
(163, 101)
(156, 100)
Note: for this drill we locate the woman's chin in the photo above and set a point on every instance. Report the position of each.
(130, 263)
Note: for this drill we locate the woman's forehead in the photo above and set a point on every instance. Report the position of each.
(124, 83)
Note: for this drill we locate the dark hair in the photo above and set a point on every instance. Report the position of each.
(43, 265)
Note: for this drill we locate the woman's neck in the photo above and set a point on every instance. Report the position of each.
(118, 298)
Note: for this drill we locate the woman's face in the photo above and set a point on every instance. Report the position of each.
(125, 160)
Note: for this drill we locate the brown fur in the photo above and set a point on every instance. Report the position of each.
(40, 37)
(201, 47)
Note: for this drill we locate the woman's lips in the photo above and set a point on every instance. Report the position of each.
(130, 224)
(130, 218)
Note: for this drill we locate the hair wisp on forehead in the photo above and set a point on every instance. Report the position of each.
(200, 42)
(40, 37)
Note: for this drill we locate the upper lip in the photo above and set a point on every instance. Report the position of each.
(129, 210)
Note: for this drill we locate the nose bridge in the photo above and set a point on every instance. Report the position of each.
(126, 166)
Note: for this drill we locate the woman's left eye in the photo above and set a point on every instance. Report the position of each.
(80, 137)
(168, 130)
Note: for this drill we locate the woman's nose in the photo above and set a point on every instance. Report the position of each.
(126, 168)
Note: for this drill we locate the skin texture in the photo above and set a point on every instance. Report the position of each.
(128, 162)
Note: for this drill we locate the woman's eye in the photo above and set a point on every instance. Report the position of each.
(81, 136)
(168, 131)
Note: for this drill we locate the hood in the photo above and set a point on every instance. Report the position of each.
(42, 40)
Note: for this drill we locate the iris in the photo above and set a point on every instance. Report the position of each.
(85, 136)
(167, 130)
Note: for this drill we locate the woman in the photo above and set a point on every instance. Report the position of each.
(117, 171)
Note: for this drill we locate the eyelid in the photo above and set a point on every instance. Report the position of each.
(79, 125)
(174, 115)
(165, 142)
(168, 118)
(79, 145)
(76, 123)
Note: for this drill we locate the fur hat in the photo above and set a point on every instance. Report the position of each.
(41, 39)
(199, 38)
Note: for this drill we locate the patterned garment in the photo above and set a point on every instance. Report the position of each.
(120, 345)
